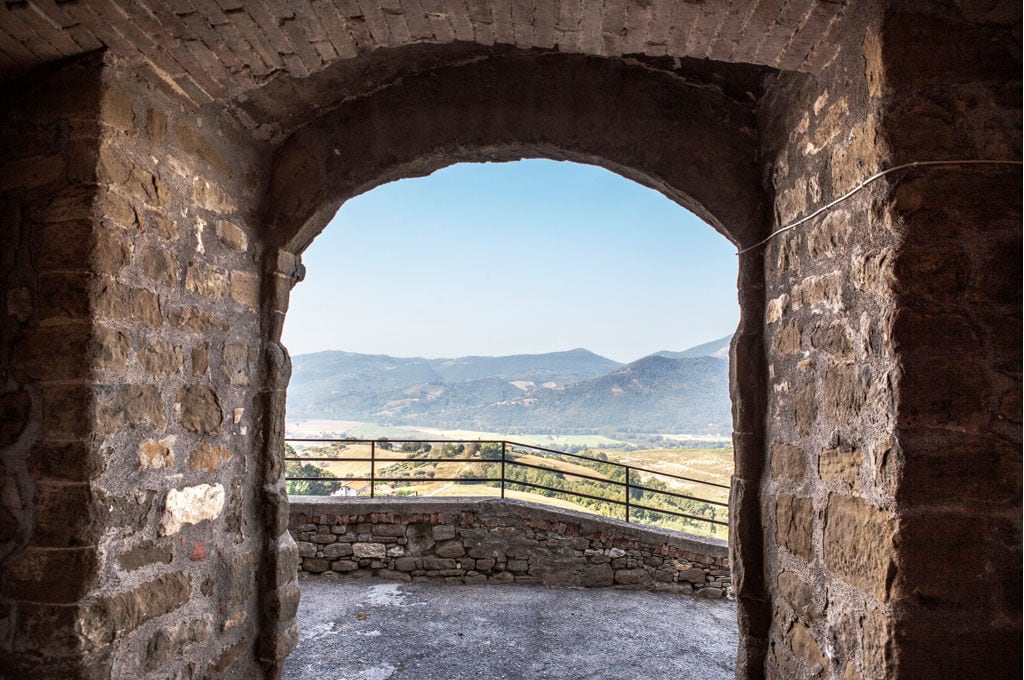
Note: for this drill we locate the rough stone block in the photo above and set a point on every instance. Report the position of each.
(159, 224)
(119, 406)
(123, 303)
(232, 235)
(144, 554)
(70, 461)
(206, 281)
(191, 505)
(798, 595)
(858, 544)
(788, 339)
(200, 359)
(156, 454)
(833, 339)
(195, 319)
(209, 196)
(111, 254)
(788, 462)
(369, 550)
(160, 358)
(806, 648)
(941, 466)
(694, 575)
(226, 658)
(444, 532)
(51, 575)
(315, 565)
(198, 409)
(449, 549)
(245, 289)
(794, 516)
(115, 615)
(65, 296)
(64, 515)
(111, 349)
(158, 265)
(943, 390)
(207, 457)
(323, 538)
(630, 577)
(842, 465)
(805, 409)
(236, 363)
(597, 575)
(389, 530)
(335, 550)
(846, 392)
(438, 563)
(15, 408)
(979, 582)
(49, 630)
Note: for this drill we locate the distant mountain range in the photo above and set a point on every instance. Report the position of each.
(567, 392)
(716, 348)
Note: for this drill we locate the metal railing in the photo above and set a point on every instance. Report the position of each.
(635, 492)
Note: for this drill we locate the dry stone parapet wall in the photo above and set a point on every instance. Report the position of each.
(464, 540)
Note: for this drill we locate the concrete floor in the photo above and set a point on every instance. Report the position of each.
(373, 630)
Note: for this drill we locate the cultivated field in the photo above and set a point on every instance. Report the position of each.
(706, 464)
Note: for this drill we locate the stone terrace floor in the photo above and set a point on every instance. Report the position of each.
(374, 630)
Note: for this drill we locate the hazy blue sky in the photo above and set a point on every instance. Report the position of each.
(513, 258)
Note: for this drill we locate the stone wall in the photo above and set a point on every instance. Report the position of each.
(464, 540)
(954, 468)
(829, 523)
(876, 374)
(48, 540)
(885, 429)
(130, 477)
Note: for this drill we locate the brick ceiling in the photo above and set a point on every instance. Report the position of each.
(206, 50)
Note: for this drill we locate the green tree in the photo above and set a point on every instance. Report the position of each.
(296, 487)
(452, 450)
(490, 451)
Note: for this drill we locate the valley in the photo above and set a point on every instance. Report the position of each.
(667, 413)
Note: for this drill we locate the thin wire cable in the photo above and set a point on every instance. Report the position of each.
(864, 183)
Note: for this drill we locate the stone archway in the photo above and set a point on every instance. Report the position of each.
(146, 276)
(693, 142)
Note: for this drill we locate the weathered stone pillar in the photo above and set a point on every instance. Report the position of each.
(747, 385)
(130, 359)
(892, 495)
(951, 91)
(50, 521)
(278, 586)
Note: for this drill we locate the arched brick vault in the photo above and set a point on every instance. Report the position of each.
(146, 273)
(683, 136)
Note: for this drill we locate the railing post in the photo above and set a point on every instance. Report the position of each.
(627, 493)
(373, 465)
(503, 469)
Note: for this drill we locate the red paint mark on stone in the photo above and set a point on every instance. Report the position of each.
(198, 551)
